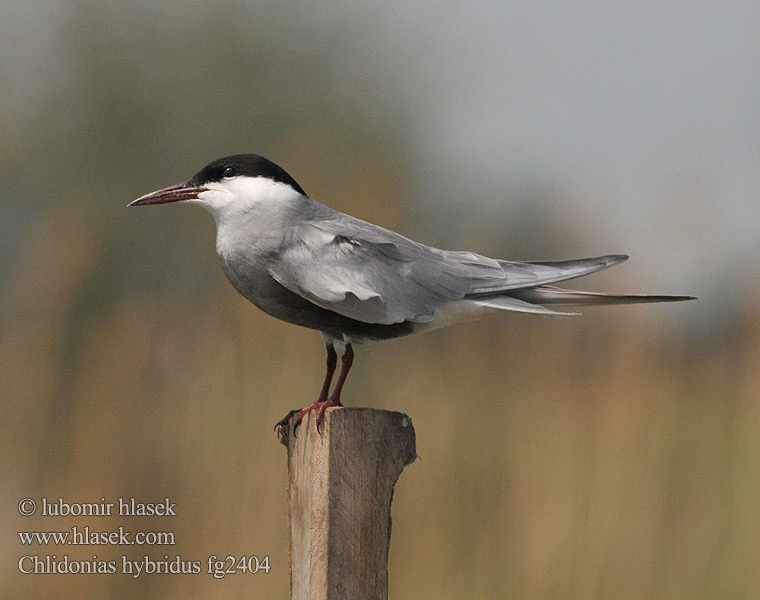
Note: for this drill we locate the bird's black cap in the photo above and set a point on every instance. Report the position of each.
(251, 165)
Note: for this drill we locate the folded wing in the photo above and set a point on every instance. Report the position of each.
(374, 275)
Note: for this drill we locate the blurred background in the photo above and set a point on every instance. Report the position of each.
(614, 455)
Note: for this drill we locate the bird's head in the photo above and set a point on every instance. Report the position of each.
(233, 184)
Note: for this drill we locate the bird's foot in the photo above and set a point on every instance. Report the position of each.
(320, 406)
(282, 427)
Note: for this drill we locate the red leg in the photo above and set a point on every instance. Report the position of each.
(332, 361)
(334, 400)
(347, 360)
(323, 402)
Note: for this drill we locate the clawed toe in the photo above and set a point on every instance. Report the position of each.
(320, 406)
(282, 427)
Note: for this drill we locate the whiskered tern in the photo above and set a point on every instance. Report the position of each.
(307, 264)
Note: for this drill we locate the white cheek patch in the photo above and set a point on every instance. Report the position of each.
(231, 198)
(213, 199)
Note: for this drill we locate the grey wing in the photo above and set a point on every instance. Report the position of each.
(519, 275)
(368, 273)
(374, 275)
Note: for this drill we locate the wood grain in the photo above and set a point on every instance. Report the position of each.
(339, 494)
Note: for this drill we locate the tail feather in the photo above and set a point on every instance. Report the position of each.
(547, 295)
(527, 288)
(504, 302)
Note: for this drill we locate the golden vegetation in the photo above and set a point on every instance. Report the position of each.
(605, 456)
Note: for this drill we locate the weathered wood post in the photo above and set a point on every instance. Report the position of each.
(339, 493)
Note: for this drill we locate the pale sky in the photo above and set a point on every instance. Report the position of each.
(638, 109)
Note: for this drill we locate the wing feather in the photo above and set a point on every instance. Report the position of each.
(367, 273)
(374, 275)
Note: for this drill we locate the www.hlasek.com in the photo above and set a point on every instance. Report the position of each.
(84, 535)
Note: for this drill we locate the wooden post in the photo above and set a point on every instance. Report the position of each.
(339, 493)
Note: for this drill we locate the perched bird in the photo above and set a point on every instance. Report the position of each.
(307, 264)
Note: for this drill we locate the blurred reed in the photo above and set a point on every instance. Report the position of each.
(605, 456)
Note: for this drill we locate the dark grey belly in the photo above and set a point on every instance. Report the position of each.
(278, 301)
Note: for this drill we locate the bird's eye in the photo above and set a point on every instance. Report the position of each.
(228, 172)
